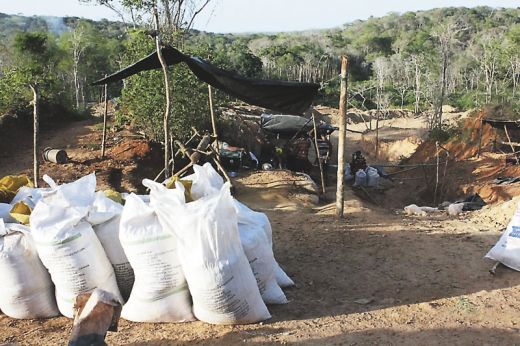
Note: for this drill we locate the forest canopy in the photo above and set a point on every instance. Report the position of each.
(465, 57)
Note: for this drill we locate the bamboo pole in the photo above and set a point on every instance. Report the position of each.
(342, 134)
(323, 188)
(166, 120)
(105, 114)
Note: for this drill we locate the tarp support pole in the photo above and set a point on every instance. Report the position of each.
(213, 120)
(164, 66)
(105, 113)
(342, 134)
(323, 187)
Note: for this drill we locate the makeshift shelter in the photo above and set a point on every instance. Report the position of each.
(281, 96)
(511, 128)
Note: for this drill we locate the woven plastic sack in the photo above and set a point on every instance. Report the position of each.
(507, 249)
(67, 244)
(221, 282)
(105, 216)
(26, 290)
(247, 216)
(160, 292)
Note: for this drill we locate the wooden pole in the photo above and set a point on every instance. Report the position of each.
(105, 114)
(511, 144)
(342, 134)
(213, 120)
(36, 130)
(166, 121)
(323, 190)
(480, 138)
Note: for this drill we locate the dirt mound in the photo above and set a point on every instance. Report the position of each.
(136, 149)
(497, 215)
(394, 143)
(277, 189)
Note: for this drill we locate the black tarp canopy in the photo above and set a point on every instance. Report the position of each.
(281, 96)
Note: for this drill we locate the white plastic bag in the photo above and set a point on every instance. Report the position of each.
(104, 217)
(26, 289)
(160, 292)
(67, 244)
(348, 173)
(507, 249)
(221, 282)
(360, 178)
(372, 177)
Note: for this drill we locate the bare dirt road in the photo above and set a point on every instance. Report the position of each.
(375, 278)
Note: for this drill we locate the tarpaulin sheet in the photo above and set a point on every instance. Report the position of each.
(281, 96)
(290, 124)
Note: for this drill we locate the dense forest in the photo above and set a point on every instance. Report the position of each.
(416, 60)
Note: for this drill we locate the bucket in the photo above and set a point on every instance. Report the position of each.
(55, 155)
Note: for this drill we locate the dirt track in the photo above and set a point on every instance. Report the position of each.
(374, 278)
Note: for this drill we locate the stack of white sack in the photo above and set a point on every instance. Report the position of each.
(220, 280)
(67, 245)
(26, 290)
(207, 181)
(105, 216)
(160, 292)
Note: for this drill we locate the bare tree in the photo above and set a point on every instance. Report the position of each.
(446, 36)
(78, 46)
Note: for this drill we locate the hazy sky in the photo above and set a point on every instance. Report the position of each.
(260, 15)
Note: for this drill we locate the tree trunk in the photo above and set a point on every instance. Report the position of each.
(36, 130)
(105, 115)
(164, 66)
(76, 84)
(443, 90)
(341, 142)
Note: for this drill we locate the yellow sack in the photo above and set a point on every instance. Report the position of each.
(10, 184)
(114, 195)
(170, 184)
(21, 212)
(6, 196)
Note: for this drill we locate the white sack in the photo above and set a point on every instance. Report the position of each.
(5, 208)
(68, 246)
(507, 249)
(160, 292)
(261, 259)
(455, 209)
(26, 289)
(248, 216)
(413, 209)
(206, 182)
(104, 217)
(221, 282)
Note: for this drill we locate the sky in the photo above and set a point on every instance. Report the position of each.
(239, 16)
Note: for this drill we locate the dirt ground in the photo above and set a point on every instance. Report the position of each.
(376, 277)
